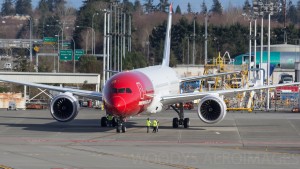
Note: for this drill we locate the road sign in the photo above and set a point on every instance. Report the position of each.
(36, 48)
(65, 55)
(66, 44)
(78, 53)
(49, 40)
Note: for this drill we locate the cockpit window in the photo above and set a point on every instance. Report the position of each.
(114, 90)
(128, 90)
(121, 90)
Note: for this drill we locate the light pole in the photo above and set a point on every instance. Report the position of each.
(93, 34)
(86, 44)
(30, 38)
(73, 55)
(269, 8)
(205, 43)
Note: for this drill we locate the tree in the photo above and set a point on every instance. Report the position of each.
(43, 6)
(128, 6)
(137, 6)
(217, 7)
(162, 5)
(203, 8)
(247, 7)
(178, 10)
(189, 8)
(23, 7)
(134, 60)
(89, 64)
(149, 7)
(292, 12)
(7, 8)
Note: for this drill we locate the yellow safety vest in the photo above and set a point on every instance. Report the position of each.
(154, 123)
(109, 117)
(148, 123)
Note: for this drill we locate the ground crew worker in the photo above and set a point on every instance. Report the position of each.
(148, 124)
(157, 126)
(154, 126)
(109, 120)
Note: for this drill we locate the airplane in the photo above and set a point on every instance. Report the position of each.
(146, 89)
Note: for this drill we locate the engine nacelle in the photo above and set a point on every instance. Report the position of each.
(64, 107)
(211, 109)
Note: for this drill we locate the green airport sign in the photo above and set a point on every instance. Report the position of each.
(65, 55)
(78, 53)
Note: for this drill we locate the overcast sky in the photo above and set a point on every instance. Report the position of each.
(195, 4)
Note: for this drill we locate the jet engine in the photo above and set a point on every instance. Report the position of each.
(211, 109)
(64, 107)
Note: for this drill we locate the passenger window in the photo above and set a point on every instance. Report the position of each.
(128, 90)
(121, 90)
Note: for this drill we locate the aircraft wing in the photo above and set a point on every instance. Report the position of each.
(188, 79)
(84, 93)
(172, 99)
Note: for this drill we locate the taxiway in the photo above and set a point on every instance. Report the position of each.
(31, 139)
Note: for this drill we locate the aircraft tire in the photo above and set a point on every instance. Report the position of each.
(175, 122)
(123, 129)
(118, 129)
(103, 122)
(186, 123)
(114, 122)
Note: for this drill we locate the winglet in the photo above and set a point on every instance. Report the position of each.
(166, 56)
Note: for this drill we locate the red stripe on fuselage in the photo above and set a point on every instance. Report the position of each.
(128, 93)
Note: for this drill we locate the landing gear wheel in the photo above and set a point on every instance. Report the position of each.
(186, 123)
(175, 122)
(118, 129)
(103, 122)
(114, 122)
(123, 129)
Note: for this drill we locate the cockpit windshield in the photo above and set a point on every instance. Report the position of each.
(121, 90)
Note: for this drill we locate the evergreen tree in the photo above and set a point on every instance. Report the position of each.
(292, 12)
(149, 7)
(162, 6)
(217, 7)
(137, 5)
(43, 7)
(7, 8)
(89, 64)
(50, 5)
(247, 7)
(23, 7)
(128, 6)
(134, 60)
(189, 8)
(203, 8)
(178, 10)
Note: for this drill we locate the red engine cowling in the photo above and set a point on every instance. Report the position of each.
(64, 107)
(211, 109)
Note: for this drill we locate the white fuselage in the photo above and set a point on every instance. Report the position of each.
(165, 81)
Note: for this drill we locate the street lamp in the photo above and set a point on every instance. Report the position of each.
(92, 30)
(30, 38)
(93, 34)
(270, 8)
(73, 55)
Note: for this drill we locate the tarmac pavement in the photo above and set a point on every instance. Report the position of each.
(31, 139)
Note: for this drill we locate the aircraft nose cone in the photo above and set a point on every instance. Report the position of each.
(119, 104)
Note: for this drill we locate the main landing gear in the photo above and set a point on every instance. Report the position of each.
(181, 121)
(119, 123)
